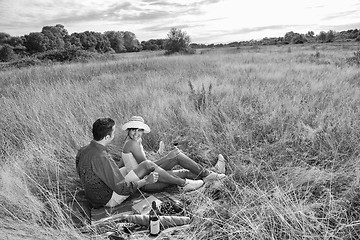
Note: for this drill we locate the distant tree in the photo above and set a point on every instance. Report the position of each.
(88, 41)
(178, 41)
(74, 42)
(116, 41)
(288, 37)
(63, 32)
(153, 44)
(36, 42)
(7, 54)
(56, 36)
(144, 45)
(267, 41)
(347, 35)
(161, 43)
(296, 38)
(4, 38)
(310, 36)
(321, 37)
(149, 45)
(299, 38)
(103, 44)
(16, 41)
(131, 43)
(330, 36)
(353, 34)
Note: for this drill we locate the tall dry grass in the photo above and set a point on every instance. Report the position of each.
(285, 118)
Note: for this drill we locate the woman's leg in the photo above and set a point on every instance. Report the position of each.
(185, 162)
(147, 167)
(159, 186)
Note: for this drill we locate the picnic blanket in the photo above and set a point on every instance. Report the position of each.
(131, 210)
(125, 208)
(122, 221)
(129, 222)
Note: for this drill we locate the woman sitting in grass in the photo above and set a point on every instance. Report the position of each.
(133, 154)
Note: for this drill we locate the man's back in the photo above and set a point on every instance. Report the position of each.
(96, 191)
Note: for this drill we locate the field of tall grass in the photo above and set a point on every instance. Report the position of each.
(286, 119)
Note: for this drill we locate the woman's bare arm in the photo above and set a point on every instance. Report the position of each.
(136, 150)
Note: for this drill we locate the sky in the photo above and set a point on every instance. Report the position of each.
(205, 21)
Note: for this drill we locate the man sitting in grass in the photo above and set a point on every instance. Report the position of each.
(107, 185)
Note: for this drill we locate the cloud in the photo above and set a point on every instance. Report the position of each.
(342, 27)
(259, 29)
(173, 4)
(209, 1)
(127, 12)
(112, 13)
(167, 27)
(146, 16)
(164, 3)
(340, 15)
(316, 7)
(228, 34)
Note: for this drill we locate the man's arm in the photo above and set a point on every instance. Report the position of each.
(116, 155)
(107, 170)
(118, 160)
(77, 159)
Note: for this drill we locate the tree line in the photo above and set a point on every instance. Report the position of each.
(294, 38)
(58, 43)
(57, 38)
(61, 46)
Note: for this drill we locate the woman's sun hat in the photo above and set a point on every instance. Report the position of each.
(136, 122)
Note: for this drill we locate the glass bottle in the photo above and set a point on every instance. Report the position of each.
(154, 220)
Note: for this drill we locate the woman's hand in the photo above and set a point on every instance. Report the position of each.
(173, 153)
(151, 178)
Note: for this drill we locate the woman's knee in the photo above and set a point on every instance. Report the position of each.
(148, 165)
(175, 160)
(181, 155)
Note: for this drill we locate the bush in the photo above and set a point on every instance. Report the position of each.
(200, 98)
(184, 51)
(7, 54)
(68, 55)
(178, 41)
(20, 63)
(355, 59)
(26, 62)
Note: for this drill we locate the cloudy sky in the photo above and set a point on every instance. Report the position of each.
(205, 21)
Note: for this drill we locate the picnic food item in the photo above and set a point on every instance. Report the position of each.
(154, 221)
(171, 207)
(144, 206)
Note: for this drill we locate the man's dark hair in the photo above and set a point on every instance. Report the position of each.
(102, 127)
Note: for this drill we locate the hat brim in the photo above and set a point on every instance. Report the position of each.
(136, 124)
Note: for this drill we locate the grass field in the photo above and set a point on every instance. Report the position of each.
(286, 119)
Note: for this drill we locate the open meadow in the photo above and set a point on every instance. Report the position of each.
(286, 119)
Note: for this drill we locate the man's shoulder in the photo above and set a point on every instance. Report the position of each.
(89, 149)
(83, 149)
